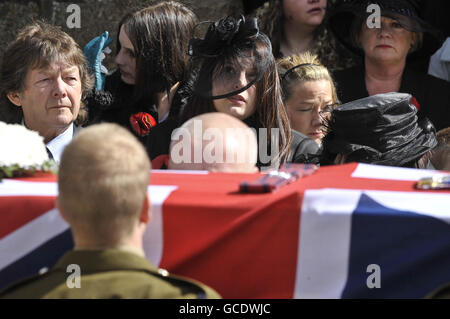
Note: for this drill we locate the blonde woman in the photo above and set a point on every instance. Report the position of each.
(309, 93)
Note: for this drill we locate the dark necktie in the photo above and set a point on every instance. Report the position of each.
(50, 156)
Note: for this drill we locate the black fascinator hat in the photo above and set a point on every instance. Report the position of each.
(231, 57)
(380, 129)
(341, 18)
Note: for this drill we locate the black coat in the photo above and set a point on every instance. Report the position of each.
(432, 94)
(303, 149)
(118, 109)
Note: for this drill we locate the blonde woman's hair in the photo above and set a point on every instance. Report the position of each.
(296, 69)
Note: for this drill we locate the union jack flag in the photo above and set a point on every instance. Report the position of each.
(314, 238)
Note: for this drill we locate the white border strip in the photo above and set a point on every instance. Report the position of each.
(393, 173)
(50, 224)
(30, 236)
(324, 243)
(325, 229)
(432, 204)
(153, 240)
(20, 188)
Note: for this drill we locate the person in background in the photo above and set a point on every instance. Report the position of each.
(385, 49)
(309, 94)
(251, 5)
(442, 292)
(44, 80)
(441, 153)
(151, 59)
(382, 129)
(102, 193)
(224, 143)
(233, 71)
(440, 62)
(436, 12)
(297, 26)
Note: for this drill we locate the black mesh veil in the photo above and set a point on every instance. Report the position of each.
(229, 59)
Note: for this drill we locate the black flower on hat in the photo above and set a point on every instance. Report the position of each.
(227, 28)
(223, 34)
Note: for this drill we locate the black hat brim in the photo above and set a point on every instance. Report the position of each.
(340, 19)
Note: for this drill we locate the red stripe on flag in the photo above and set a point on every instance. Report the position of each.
(221, 236)
(39, 177)
(339, 176)
(16, 211)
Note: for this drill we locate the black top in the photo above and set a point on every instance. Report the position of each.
(119, 108)
(302, 149)
(122, 105)
(432, 94)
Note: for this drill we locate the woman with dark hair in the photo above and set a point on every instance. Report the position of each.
(385, 48)
(151, 59)
(233, 71)
(297, 26)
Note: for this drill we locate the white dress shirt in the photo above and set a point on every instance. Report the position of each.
(440, 62)
(57, 145)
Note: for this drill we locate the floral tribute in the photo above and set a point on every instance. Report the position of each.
(23, 152)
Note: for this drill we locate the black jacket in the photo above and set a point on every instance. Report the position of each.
(432, 94)
(303, 149)
(118, 106)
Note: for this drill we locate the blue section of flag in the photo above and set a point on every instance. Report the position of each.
(45, 255)
(412, 250)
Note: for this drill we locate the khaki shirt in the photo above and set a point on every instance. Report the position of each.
(109, 273)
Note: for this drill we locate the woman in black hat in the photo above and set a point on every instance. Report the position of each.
(385, 48)
(232, 70)
(382, 129)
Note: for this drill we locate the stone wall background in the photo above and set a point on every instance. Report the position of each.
(96, 15)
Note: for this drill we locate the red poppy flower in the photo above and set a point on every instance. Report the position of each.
(415, 103)
(142, 123)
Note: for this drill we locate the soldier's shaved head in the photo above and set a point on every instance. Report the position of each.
(102, 181)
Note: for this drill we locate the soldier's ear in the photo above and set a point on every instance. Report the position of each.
(15, 99)
(145, 211)
(58, 207)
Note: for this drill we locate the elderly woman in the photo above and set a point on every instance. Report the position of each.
(385, 49)
(296, 26)
(309, 94)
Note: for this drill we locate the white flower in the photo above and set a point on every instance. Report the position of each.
(19, 145)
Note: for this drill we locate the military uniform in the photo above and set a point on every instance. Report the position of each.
(443, 292)
(109, 273)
